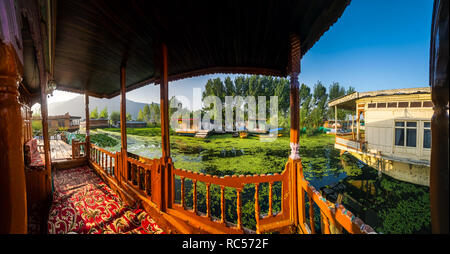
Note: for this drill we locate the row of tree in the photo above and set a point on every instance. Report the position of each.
(313, 102)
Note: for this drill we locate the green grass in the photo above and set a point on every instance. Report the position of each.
(101, 140)
(149, 131)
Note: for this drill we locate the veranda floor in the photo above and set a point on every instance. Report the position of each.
(84, 204)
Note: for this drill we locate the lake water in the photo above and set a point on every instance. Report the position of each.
(388, 205)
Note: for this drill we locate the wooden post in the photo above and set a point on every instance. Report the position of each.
(45, 135)
(439, 79)
(294, 158)
(335, 120)
(166, 172)
(13, 198)
(358, 124)
(88, 124)
(353, 133)
(123, 120)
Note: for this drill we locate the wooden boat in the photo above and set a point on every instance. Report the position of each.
(243, 134)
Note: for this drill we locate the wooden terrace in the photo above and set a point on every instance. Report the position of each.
(107, 48)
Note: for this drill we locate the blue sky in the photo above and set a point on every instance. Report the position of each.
(375, 45)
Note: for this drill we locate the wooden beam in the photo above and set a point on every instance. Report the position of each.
(166, 173)
(123, 119)
(45, 135)
(88, 125)
(294, 67)
(13, 201)
(439, 81)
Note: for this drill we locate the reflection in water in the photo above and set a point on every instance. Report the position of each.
(388, 205)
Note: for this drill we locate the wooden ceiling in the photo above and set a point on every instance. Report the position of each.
(94, 37)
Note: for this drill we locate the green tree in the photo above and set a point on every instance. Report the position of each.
(146, 113)
(140, 116)
(114, 117)
(94, 113)
(305, 105)
(104, 113)
(336, 91)
(350, 90)
(128, 117)
(155, 113)
(320, 97)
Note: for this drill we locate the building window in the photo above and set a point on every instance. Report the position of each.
(426, 135)
(406, 133)
(403, 104)
(415, 104)
(392, 104)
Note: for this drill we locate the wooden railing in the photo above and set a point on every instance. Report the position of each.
(105, 160)
(141, 177)
(140, 174)
(334, 217)
(264, 223)
(78, 149)
(349, 142)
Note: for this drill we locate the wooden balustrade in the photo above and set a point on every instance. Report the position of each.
(334, 217)
(140, 176)
(264, 223)
(104, 159)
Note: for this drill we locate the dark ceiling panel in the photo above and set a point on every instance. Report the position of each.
(93, 38)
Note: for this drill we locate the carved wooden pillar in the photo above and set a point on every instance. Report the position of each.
(46, 138)
(13, 201)
(294, 158)
(123, 120)
(166, 173)
(88, 125)
(439, 162)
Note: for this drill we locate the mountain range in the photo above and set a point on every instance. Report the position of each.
(75, 106)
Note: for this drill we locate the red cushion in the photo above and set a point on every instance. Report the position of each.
(33, 158)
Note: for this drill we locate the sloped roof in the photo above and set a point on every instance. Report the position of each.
(93, 37)
(348, 101)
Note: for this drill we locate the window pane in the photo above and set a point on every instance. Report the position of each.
(426, 138)
(399, 124)
(411, 137)
(411, 124)
(427, 124)
(399, 137)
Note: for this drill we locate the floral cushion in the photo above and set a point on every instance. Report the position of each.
(33, 158)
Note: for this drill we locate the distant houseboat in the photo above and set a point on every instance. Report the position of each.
(134, 124)
(95, 123)
(396, 139)
(71, 123)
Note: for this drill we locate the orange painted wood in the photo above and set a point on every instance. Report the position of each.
(208, 201)
(194, 196)
(238, 208)
(87, 139)
(13, 203)
(182, 193)
(222, 204)
(166, 172)
(230, 181)
(257, 211)
(270, 199)
(311, 216)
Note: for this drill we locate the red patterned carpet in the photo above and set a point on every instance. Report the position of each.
(84, 204)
